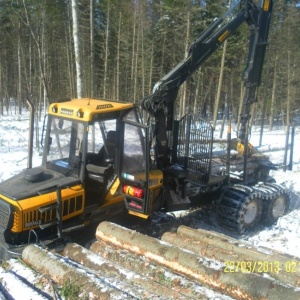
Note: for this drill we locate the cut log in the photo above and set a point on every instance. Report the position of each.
(152, 271)
(235, 255)
(209, 272)
(33, 285)
(61, 272)
(254, 163)
(148, 288)
(220, 240)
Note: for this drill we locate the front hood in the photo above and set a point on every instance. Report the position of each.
(32, 182)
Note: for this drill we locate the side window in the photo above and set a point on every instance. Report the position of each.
(134, 160)
(97, 135)
(95, 139)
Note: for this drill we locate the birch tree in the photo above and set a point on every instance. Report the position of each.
(19, 93)
(106, 50)
(76, 40)
(121, 48)
(218, 95)
(187, 42)
(36, 33)
(92, 49)
(273, 96)
(118, 58)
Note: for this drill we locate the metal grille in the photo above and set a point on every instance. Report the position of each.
(47, 214)
(194, 149)
(72, 205)
(34, 218)
(4, 215)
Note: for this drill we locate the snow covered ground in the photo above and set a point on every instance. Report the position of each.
(14, 145)
(283, 236)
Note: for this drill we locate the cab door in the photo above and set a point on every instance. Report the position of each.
(134, 168)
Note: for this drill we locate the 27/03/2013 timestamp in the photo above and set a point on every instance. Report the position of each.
(261, 266)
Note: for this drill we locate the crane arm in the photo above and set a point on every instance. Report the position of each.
(259, 24)
(160, 103)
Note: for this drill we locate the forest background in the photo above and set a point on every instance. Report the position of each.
(125, 46)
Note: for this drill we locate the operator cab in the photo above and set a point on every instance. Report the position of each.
(100, 159)
(84, 150)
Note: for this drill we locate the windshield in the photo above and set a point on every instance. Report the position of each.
(63, 145)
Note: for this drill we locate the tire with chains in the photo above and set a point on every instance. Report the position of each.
(276, 202)
(241, 207)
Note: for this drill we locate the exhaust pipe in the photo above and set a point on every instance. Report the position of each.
(31, 131)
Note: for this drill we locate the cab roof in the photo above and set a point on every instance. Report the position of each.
(84, 109)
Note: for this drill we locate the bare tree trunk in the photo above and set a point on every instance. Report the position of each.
(150, 77)
(45, 90)
(162, 58)
(69, 62)
(19, 74)
(76, 40)
(206, 101)
(38, 41)
(184, 86)
(151, 70)
(136, 58)
(143, 61)
(242, 91)
(232, 108)
(27, 71)
(197, 93)
(133, 47)
(273, 99)
(217, 100)
(118, 58)
(252, 118)
(92, 48)
(288, 98)
(106, 50)
(264, 102)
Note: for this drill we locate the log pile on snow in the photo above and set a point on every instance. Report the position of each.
(188, 264)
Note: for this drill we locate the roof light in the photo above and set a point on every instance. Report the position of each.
(80, 113)
(54, 109)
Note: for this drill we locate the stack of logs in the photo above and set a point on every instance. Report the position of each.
(189, 264)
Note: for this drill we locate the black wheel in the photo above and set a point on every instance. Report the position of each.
(277, 206)
(240, 209)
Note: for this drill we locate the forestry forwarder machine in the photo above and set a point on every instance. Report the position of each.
(100, 160)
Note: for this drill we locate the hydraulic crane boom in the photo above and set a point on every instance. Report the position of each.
(259, 23)
(161, 103)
